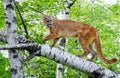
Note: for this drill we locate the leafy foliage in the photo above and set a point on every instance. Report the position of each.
(4, 67)
(2, 22)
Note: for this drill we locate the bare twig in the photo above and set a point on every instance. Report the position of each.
(34, 9)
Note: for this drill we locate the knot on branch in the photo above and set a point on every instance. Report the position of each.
(34, 51)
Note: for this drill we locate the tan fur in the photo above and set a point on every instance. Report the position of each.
(86, 35)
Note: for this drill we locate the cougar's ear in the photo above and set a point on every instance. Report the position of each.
(44, 17)
(50, 17)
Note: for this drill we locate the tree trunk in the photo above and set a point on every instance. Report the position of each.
(14, 56)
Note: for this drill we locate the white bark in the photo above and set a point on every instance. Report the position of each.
(3, 35)
(18, 46)
(59, 70)
(59, 66)
(14, 56)
(75, 62)
(72, 61)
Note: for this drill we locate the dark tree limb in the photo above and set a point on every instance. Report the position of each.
(25, 27)
(70, 4)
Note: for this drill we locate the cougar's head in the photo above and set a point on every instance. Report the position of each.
(47, 20)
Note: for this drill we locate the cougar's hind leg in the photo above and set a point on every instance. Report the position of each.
(85, 47)
(92, 52)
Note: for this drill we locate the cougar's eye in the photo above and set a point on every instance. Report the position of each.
(47, 21)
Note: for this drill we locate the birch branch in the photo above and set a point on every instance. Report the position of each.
(18, 46)
(3, 37)
(77, 63)
(70, 60)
